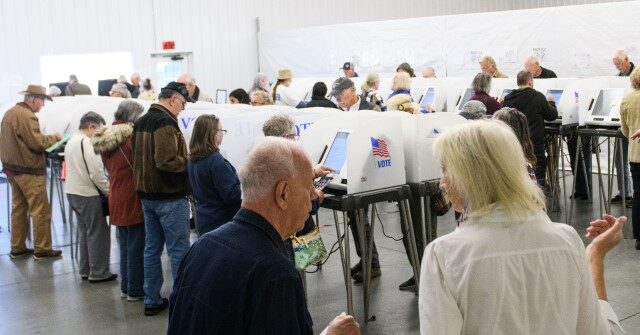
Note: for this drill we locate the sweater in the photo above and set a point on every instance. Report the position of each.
(159, 156)
(492, 104)
(82, 179)
(546, 74)
(535, 106)
(22, 145)
(630, 122)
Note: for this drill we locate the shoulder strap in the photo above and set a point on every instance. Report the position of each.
(125, 157)
(87, 167)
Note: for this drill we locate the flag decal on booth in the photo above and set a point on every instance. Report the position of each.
(380, 152)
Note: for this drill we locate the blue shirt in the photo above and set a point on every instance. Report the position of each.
(216, 188)
(238, 279)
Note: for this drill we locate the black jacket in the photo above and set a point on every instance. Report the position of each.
(320, 102)
(546, 73)
(535, 106)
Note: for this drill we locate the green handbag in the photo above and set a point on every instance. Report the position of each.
(308, 249)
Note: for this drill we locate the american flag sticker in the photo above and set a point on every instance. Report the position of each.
(379, 148)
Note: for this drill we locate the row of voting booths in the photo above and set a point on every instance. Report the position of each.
(379, 157)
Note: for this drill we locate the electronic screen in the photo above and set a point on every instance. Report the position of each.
(337, 153)
(608, 101)
(221, 96)
(556, 94)
(104, 86)
(506, 92)
(468, 93)
(428, 99)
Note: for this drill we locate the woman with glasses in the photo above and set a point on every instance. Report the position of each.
(214, 180)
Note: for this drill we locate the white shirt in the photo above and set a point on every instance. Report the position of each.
(495, 276)
(286, 97)
(354, 107)
(79, 179)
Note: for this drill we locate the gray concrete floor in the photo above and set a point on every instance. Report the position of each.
(48, 296)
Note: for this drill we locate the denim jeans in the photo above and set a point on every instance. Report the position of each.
(635, 203)
(623, 174)
(131, 240)
(164, 220)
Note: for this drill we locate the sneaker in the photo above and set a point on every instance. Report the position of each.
(375, 273)
(47, 254)
(638, 244)
(409, 285)
(135, 298)
(153, 310)
(618, 199)
(102, 280)
(356, 269)
(24, 252)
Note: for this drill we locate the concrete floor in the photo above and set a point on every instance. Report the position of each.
(48, 296)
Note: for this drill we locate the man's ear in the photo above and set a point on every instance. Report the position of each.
(281, 194)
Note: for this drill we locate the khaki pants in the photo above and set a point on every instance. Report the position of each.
(29, 195)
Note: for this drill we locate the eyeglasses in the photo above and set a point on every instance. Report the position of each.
(223, 131)
(183, 102)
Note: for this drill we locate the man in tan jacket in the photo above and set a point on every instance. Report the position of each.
(22, 148)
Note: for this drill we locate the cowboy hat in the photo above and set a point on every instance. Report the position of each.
(38, 91)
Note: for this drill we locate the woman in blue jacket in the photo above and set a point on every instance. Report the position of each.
(214, 181)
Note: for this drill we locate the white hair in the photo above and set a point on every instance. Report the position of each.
(269, 162)
(532, 60)
(122, 88)
(186, 78)
(135, 75)
(54, 91)
(620, 54)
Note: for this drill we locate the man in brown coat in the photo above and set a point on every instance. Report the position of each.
(22, 149)
(75, 88)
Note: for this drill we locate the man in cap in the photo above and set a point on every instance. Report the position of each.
(22, 151)
(532, 64)
(160, 175)
(349, 70)
(344, 92)
(75, 88)
(194, 91)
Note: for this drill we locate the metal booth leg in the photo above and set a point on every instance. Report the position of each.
(344, 256)
(414, 259)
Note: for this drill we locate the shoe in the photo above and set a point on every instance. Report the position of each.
(637, 244)
(579, 196)
(409, 285)
(136, 298)
(618, 199)
(629, 204)
(110, 278)
(375, 273)
(47, 254)
(24, 252)
(123, 295)
(84, 277)
(153, 310)
(356, 269)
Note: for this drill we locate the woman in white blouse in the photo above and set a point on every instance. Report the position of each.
(507, 269)
(282, 94)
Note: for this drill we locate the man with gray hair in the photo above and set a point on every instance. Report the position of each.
(242, 267)
(622, 63)
(428, 72)
(75, 88)
(532, 64)
(135, 84)
(488, 66)
(194, 91)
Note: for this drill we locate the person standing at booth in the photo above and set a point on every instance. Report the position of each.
(623, 173)
(22, 148)
(282, 94)
(537, 108)
(214, 180)
(630, 122)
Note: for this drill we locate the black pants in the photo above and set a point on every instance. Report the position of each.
(414, 211)
(635, 209)
(375, 261)
(585, 146)
(541, 165)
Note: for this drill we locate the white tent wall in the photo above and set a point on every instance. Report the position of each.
(222, 34)
(574, 41)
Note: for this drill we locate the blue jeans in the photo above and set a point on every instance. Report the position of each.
(131, 240)
(164, 220)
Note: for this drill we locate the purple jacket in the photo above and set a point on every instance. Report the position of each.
(491, 103)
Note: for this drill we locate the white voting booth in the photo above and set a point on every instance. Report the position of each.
(366, 168)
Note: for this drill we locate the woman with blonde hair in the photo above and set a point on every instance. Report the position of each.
(214, 180)
(507, 269)
(370, 88)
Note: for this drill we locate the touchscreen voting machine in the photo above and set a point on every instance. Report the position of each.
(335, 157)
(428, 101)
(556, 94)
(464, 97)
(605, 109)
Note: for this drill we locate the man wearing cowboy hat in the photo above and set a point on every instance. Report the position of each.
(22, 148)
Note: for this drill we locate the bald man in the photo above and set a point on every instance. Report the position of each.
(532, 65)
(194, 91)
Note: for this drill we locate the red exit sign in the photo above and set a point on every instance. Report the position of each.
(168, 45)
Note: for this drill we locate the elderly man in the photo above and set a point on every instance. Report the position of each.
(238, 278)
(160, 175)
(194, 91)
(349, 70)
(135, 83)
(344, 91)
(75, 88)
(537, 108)
(22, 151)
(532, 64)
(623, 171)
(488, 66)
(428, 72)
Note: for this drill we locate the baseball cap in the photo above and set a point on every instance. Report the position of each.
(180, 88)
(347, 66)
(340, 85)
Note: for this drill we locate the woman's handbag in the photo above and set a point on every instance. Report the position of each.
(308, 249)
(439, 204)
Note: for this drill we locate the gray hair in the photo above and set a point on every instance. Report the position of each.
(278, 125)
(128, 111)
(91, 118)
(122, 79)
(474, 107)
(481, 83)
(257, 82)
(186, 78)
(122, 88)
(73, 78)
(55, 91)
(269, 162)
(489, 60)
(620, 54)
(531, 60)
